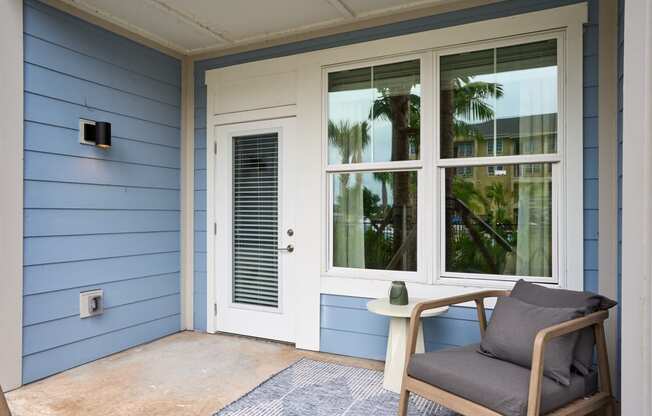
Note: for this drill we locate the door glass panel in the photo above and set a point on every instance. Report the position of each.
(255, 220)
(504, 100)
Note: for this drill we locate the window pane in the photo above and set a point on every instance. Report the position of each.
(375, 220)
(374, 113)
(499, 220)
(505, 99)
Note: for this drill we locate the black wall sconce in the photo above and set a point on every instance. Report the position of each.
(95, 133)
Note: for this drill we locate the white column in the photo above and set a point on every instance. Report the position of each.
(11, 185)
(637, 211)
(187, 192)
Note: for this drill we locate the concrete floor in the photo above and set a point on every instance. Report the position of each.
(188, 373)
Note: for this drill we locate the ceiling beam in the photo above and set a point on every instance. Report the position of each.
(342, 8)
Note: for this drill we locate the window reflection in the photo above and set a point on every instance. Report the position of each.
(499, 220)
(374, 113)
(375, 220)
(505, 99)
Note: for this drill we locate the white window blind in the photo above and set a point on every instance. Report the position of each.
(255, 220)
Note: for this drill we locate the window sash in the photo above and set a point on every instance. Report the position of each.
(429, 166)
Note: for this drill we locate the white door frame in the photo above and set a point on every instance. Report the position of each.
(261, 118)
(258, 321)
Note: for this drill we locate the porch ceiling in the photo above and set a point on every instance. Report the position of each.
(196, 26)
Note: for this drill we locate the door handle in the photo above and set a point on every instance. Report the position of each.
(289, 248)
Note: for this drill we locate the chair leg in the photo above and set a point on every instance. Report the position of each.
(4, 408)
(403, 402)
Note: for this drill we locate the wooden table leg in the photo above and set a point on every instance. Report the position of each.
(395, 357)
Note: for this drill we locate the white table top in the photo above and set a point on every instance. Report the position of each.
(383, 307)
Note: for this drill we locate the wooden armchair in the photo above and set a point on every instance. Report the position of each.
(4, 408)
(532, 393)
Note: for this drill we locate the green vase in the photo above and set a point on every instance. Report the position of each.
(398, 294)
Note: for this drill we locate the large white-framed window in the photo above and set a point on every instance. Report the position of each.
(502, 222)
(487, 172)
(376, 177)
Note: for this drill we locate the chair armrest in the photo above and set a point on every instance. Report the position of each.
(542, 338)
(477, 297)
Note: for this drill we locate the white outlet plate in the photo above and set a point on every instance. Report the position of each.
(84, 302)
(82, 123)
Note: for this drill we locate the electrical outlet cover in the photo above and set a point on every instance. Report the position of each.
(85, 301)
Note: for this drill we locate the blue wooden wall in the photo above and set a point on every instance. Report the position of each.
(500, 9)
(97, 218)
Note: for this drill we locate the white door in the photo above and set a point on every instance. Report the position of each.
(254, 244)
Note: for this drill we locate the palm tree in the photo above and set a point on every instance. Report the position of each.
(350, 139)
(464, 100)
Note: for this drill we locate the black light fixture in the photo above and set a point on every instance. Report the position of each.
(97, 133)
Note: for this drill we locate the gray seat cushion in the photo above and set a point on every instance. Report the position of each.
(498, 385)
(560, 298)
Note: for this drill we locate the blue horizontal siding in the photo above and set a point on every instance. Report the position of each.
(61, 168)
(60, 276)
(43, 81)
(43, 250)
(57, 222)
(45, 194)
(348, 328)
(50, 306)
(64, 141)
(93, 218)
(61, 29)
(67, 61)
(47, 110)
(40, 365)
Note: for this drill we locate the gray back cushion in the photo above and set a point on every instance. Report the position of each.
(555, 298)
(513, 327)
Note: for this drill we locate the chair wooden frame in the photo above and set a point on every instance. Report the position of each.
(4, 408)
(600, 401)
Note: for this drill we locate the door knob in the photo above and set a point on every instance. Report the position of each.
(289, 248)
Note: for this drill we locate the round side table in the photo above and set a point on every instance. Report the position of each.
(399, 326)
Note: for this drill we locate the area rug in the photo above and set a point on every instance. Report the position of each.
(315, 388)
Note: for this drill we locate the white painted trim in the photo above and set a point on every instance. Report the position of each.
(261, 114)
(187, 234)
(637, 211)
(11, 183)
(607, 162)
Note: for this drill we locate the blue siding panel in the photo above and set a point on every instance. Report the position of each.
(51, 334)
(64, 141)
(67, 61)
(43, 250)
(48, 110)
(43, 81)
(61, 358)
(60, 276)
(62, 29)
(65, 303)
(97, 219)
(57, 222)
(41, 194)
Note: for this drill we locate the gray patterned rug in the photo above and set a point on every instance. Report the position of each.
(317, 388)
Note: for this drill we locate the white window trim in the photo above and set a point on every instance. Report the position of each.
(419, 166)
(566, 168)
(557, 160)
